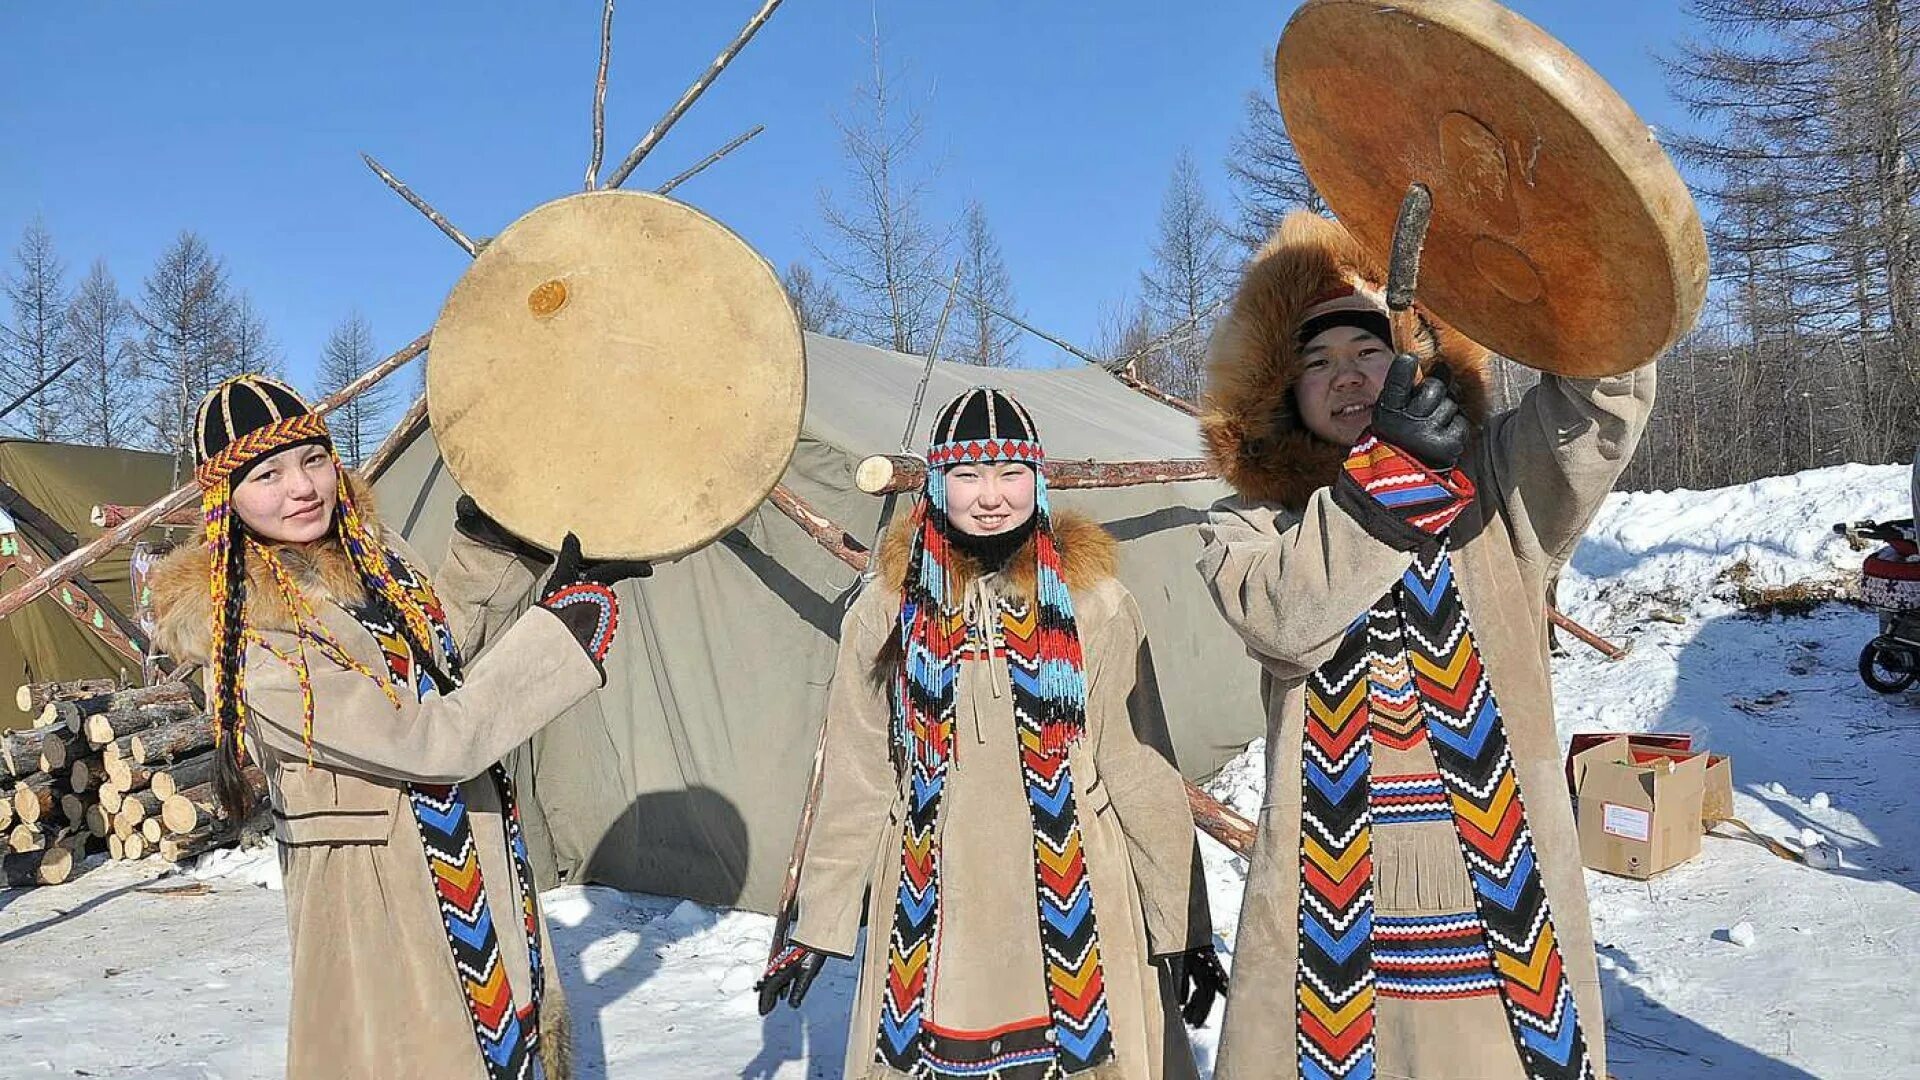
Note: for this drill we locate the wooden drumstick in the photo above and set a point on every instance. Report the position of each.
(1403, 264)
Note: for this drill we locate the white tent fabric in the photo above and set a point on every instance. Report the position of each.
(686, 774)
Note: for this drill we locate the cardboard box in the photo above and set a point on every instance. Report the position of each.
(1650, 740)
(1639, 811)
(1716, 802)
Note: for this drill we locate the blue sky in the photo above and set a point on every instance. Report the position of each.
(122, 123)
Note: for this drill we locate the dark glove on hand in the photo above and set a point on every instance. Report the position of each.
(580, 594)
(1424, 421)
(571, 568)
(1197, 979)
(477, 525)
(791, 973)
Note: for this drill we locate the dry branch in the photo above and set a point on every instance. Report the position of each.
(439, 220)
(600, 97)
(665, 123)
(700, 166)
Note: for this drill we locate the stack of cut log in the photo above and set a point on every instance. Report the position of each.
(127, 769)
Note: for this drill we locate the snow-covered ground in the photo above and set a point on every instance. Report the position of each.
(120, 974)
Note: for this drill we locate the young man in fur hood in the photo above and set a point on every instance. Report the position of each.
(1414, 905)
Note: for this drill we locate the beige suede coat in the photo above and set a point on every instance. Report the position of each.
(375, 993)
(1137, 830)
(1291, 570)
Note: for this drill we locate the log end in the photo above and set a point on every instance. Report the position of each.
(23, 697)
(874, 475)
(180, 814)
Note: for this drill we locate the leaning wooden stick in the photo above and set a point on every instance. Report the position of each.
(600, 97)
(665, 123)
(64, 570)
(891, 474)
(837, 541)
(700, 166)
(1606, 648)
(439, 220)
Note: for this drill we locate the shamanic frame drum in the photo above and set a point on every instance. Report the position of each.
(1562, 236)
(622, 366)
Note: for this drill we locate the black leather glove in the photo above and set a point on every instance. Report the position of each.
(571, 568)
(580, 593)
(1197, 979)
(1424, 421)
(477, 525)
(791, 973)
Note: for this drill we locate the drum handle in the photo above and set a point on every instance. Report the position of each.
(1403, 264)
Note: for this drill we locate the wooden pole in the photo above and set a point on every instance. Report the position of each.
(64, 570)
(833, 538)
(665, 123)
(891, 474)
(600, 97)
(1605, 647)
(403, 432)
(1220, 821)
(439, 219)
(701, 165)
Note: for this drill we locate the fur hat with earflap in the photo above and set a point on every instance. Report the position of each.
(1309, 276)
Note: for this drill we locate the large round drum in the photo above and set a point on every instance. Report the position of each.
(618, 365)
(1562, 236)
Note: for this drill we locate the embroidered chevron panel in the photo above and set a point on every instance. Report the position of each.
(1469, 743)
(508, 1038)
(1334, 987)
(1076, 1034)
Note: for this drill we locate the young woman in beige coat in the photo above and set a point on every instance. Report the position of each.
(335, 666)
(987, 787)
(1414, 906)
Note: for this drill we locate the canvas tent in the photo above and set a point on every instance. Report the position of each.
(686, 775)
(41, 642)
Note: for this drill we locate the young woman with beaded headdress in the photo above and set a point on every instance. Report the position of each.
(996, 783)
(338, 677)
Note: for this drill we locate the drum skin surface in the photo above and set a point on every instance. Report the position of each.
(1562, 236)
(622, 366)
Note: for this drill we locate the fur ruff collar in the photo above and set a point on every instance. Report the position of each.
(1247, 418)
(1088, 556)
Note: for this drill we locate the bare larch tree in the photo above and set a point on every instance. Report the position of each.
(358, 425)
(35, 345)
(881, 249)
(979, 336)
(106, 400)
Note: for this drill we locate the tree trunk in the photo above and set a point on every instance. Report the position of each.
(21, 750)
(75, 712)
(124, 774)
(86, 774)
(47, 867)
(35, 798)
(170, 741)
(125, 720)
(183, 774)
(193, 807)
(35, 697)
(138, 806)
